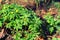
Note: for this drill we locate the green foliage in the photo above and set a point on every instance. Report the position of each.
(54, 38)
(25, 25)
(57, 5)
(53, 23)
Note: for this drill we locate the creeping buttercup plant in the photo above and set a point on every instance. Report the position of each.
(25, 25)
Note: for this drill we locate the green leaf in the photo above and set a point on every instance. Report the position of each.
(0, 24)
(54, 38)
(51, 29)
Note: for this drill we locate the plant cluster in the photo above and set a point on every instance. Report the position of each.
(25, 25)
(54, 23)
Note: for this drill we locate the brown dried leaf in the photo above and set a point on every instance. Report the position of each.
(2, 33)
